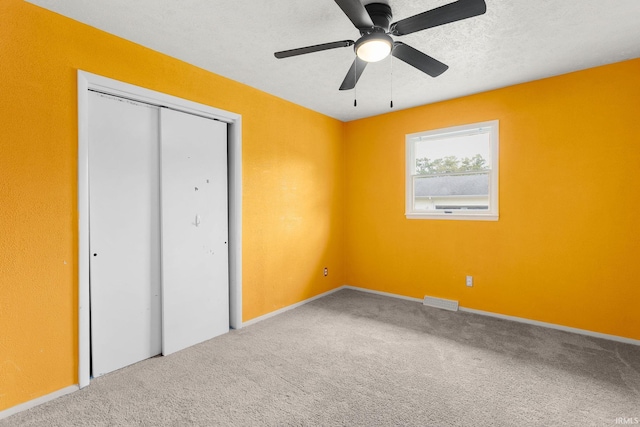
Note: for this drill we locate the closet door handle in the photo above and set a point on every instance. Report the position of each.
(197, 220)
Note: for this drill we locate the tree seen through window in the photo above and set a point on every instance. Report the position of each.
(450, 164)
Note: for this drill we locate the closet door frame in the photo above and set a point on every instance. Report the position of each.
(88, 81)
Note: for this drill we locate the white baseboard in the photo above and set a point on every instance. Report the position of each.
(386, 294)
(554, 326)
(38, 401)
(289, 307)
(512, 318)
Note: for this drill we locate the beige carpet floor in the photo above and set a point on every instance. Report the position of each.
(357, 359)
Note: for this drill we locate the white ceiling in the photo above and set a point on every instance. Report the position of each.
(515, 41)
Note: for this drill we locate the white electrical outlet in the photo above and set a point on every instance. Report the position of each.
(470, 281)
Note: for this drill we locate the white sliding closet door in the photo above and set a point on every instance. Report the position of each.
(195, 277)
(124, 232)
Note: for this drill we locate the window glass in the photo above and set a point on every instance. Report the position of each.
(453, 172)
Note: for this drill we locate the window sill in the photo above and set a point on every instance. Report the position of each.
(454, 216)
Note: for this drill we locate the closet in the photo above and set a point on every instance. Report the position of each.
(158, 230)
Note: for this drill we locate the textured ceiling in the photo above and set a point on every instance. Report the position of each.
(515, 41)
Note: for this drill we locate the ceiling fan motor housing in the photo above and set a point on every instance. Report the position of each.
(381, 16)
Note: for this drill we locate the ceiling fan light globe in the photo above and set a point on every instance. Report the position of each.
(373, 47)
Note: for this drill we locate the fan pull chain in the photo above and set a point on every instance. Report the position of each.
(391, 60)
(355, 83)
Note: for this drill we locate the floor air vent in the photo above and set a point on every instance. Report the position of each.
(445, 304)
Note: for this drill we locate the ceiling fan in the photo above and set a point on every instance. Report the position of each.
(375, 43)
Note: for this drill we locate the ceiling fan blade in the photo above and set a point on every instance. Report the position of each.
(421, 61)
(461, 9)
(353, 75)
(314, 48)
(356, 12)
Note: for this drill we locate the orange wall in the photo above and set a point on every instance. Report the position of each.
(567, 245)
(292, 176)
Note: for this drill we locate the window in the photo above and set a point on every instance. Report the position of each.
(452, 173)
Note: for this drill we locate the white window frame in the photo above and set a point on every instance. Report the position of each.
(481, 215)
